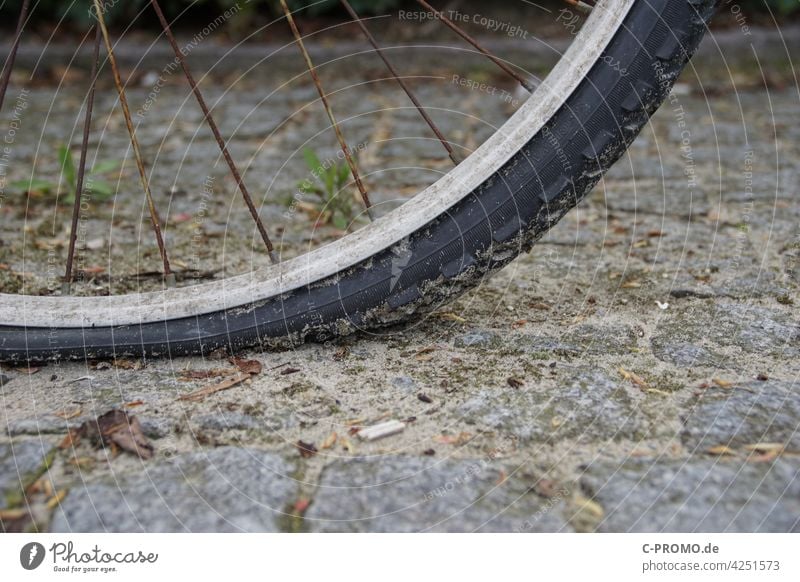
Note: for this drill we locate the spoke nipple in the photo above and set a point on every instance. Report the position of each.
(66, 288)
(170, 280)
(370, 214)
(273, 257)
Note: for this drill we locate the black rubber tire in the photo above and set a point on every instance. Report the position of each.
(484, 232)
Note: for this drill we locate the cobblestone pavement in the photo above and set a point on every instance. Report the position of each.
(636, 372)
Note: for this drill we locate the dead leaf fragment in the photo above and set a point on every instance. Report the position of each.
(68, 414)
(631, 284)
(226, 384)
(252, 367)
(451, 317)
(206, 374)
(633, 377)
(124, 364)
(545, 488)
(720, 450)
(54, 501)
(590, 507)
(307, 450)
(117, 428)
(722, 383)
(71, 440)
(766, 447)
(330, 441)
(13, 514)
(515, 382)
(459, 439)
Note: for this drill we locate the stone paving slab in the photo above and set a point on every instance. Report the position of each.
(405, 494)
(20, 462)
(745, 414)
(697, 495)
(219, 490)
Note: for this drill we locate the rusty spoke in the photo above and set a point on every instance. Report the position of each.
(9, 64)
(87, 126)
(324, 98)
(463, 34)
(151, 207)
(584, 5)
(401, 82)
(215, 130)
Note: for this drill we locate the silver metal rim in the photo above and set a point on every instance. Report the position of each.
(319, 264)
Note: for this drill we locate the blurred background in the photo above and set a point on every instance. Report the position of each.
(75, 15)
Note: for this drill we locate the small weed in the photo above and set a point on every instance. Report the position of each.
(328, 181)
(100, 189)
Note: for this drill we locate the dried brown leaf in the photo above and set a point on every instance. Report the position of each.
(515, 382)
(13, 514)
(252, 367)
(226, 384)
(425, 350)
(459, 439)
(73, 437)
(545, 488)
(766, 447)
(307, 450)
(631, 284)
(68, 414)
(124, 364)
(117, 428)
(206, 374)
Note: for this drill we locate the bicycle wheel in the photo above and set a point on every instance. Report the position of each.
(477, 218)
